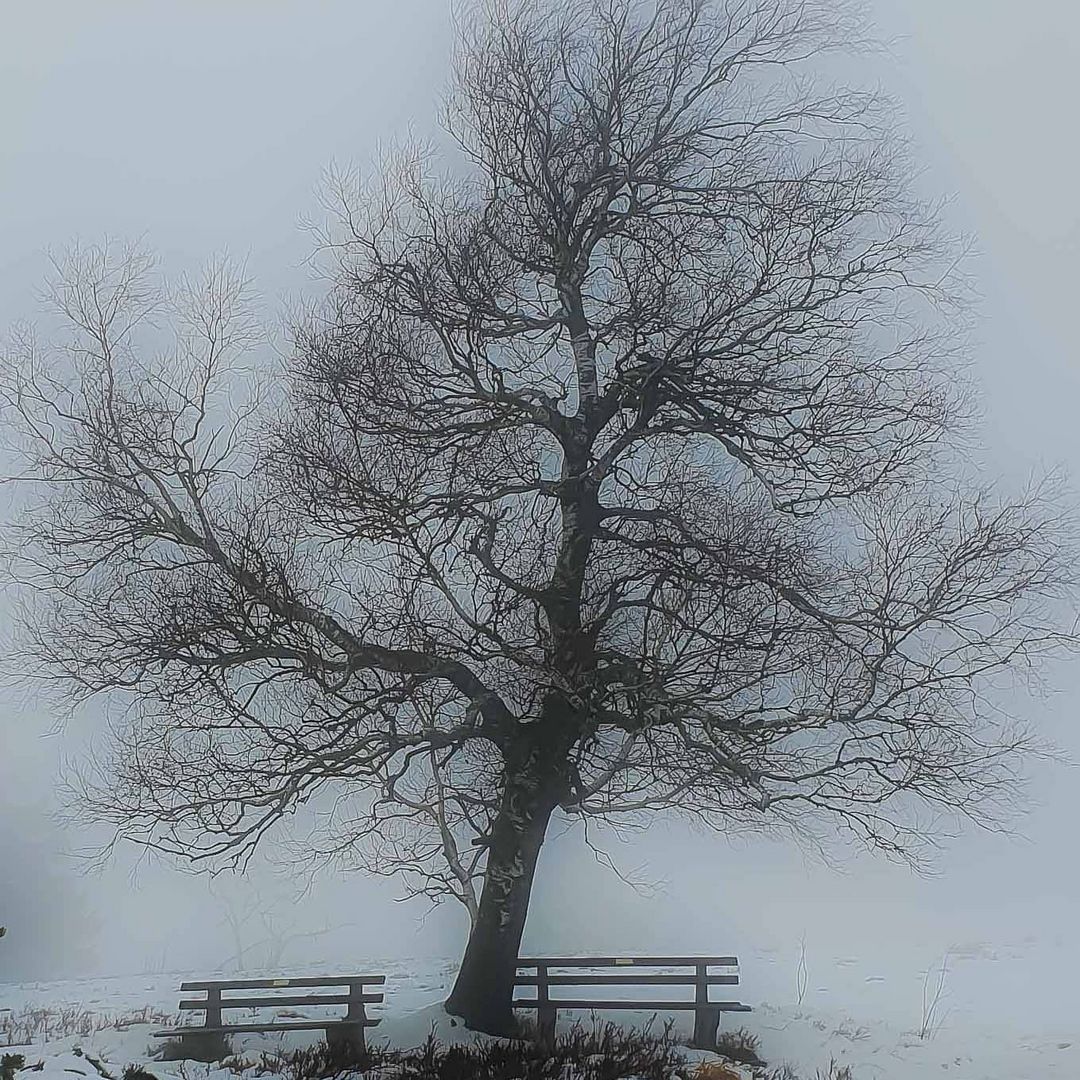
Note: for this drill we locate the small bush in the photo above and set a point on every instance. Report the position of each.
(206, 1046)
(268, 1061)
(740, 1046)
(10, 1064)
(137, 1072)
(833, 1072)
(836, 1072)
(98, 1064)
(714, 1070)
(238, 1064)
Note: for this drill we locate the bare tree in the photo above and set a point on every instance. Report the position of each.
(612, 479)
(262, 936)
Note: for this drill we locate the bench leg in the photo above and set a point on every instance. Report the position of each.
(706, 1025)
(204, 1046)
(346, 1038)
(545, 1023)
(191, 1046)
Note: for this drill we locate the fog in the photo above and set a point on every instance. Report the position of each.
(205, 127)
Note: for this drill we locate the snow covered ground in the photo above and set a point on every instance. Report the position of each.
(950, 1041)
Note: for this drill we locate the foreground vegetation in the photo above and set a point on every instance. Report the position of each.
(601, 1052)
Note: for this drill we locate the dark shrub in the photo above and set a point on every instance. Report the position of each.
(740, 1046)
(10, 1064)
(137, 1072)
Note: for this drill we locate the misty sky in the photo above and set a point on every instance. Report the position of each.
(204, 126)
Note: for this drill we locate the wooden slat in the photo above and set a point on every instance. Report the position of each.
(627, 961)
(267, 984)
(225, 1029)
(644, 1006)
(626, 980)
(292, 999)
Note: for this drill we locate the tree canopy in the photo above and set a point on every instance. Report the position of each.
(614, 476)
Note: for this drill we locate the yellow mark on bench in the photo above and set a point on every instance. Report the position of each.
(280, 982)
(630, 962)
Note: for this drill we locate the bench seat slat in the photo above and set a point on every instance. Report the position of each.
(649, 1006)
(306, 1025)
(626, 980)
(627, 961)
(272, 1002)
(268, 984)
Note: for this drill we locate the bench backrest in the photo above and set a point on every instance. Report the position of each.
(626, 971)
(355, 997)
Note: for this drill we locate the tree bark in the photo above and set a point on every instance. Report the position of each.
(484, 988)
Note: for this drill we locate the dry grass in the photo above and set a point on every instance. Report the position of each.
(37, 1024)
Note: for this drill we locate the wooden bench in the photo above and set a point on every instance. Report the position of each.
(575, 971)
(340, 1031)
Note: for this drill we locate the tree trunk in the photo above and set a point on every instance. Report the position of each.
(484, 987)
